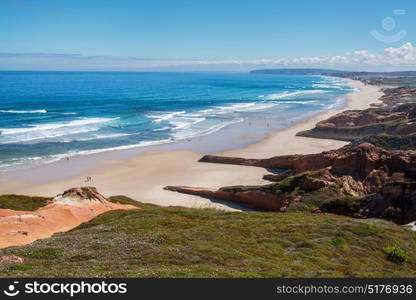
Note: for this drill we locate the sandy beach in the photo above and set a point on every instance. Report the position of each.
(143, 177)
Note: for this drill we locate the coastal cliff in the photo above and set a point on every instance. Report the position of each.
(361, 180)
(390, 125)
(326, 226)
(65, 211)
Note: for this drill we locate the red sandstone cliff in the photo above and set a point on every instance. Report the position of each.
(65, 212)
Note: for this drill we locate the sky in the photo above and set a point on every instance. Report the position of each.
(226, 35)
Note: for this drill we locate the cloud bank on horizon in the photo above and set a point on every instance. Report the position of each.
(391, 59)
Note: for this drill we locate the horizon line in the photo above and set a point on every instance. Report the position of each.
(210, 71)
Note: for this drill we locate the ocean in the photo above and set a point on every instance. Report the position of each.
(47, 116)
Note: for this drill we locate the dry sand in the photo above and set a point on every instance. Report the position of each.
(143, 177)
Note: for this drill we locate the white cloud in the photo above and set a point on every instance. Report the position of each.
(401, 58)
(405, 53)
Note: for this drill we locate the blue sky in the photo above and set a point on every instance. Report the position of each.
(233, 35)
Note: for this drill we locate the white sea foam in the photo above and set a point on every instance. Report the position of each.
(68, 113)
(22, 161)
(185, 122)
(190, 124)
(97, 137)
(236, 107)
(177, 120)
(261, 106)
(18, 162)
(11, 111)
(323, 86)
(124, 147)
(111, 135)
(44, 135)
(176, 137)
(57, 125)
(176, 124)
(161, 129)
(164, 116)
(52, 131)
(289, 95)
(210, 130)
(243, 107)
(298, 102)
(220, 110)
(337, 103)
(335, 82)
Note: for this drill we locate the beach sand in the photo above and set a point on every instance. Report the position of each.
(143, 177)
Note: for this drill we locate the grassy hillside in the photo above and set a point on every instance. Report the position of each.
(182, 242)
(19, 202)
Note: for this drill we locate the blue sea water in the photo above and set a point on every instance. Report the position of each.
(45, 116)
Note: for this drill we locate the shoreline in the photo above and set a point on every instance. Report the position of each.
(143, 176)
(366, 95)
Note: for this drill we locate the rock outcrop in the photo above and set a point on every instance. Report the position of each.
(391, 125)
(361, 181)
(398, 95)
(351, 118)
(254, 197)
(64, 212)
(372, 177)
(356, 161)
(6, 260)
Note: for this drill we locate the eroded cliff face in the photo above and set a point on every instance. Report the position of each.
(360, 181)
(351, 118)
(391, 125)
(357, 161)
(63, 213)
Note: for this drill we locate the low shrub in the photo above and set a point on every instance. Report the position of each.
(44, 253)
(396, 254)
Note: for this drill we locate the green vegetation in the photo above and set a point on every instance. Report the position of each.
(353, 133)
(392, 141)
(183, 242)
(402, 80)
(383, 134)
(287, 185)
(125, 200)
(396, 254)
(345, 205)
(18, 202)
(43, 253)
(314, 200)
(333, 199)
(338, 239)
